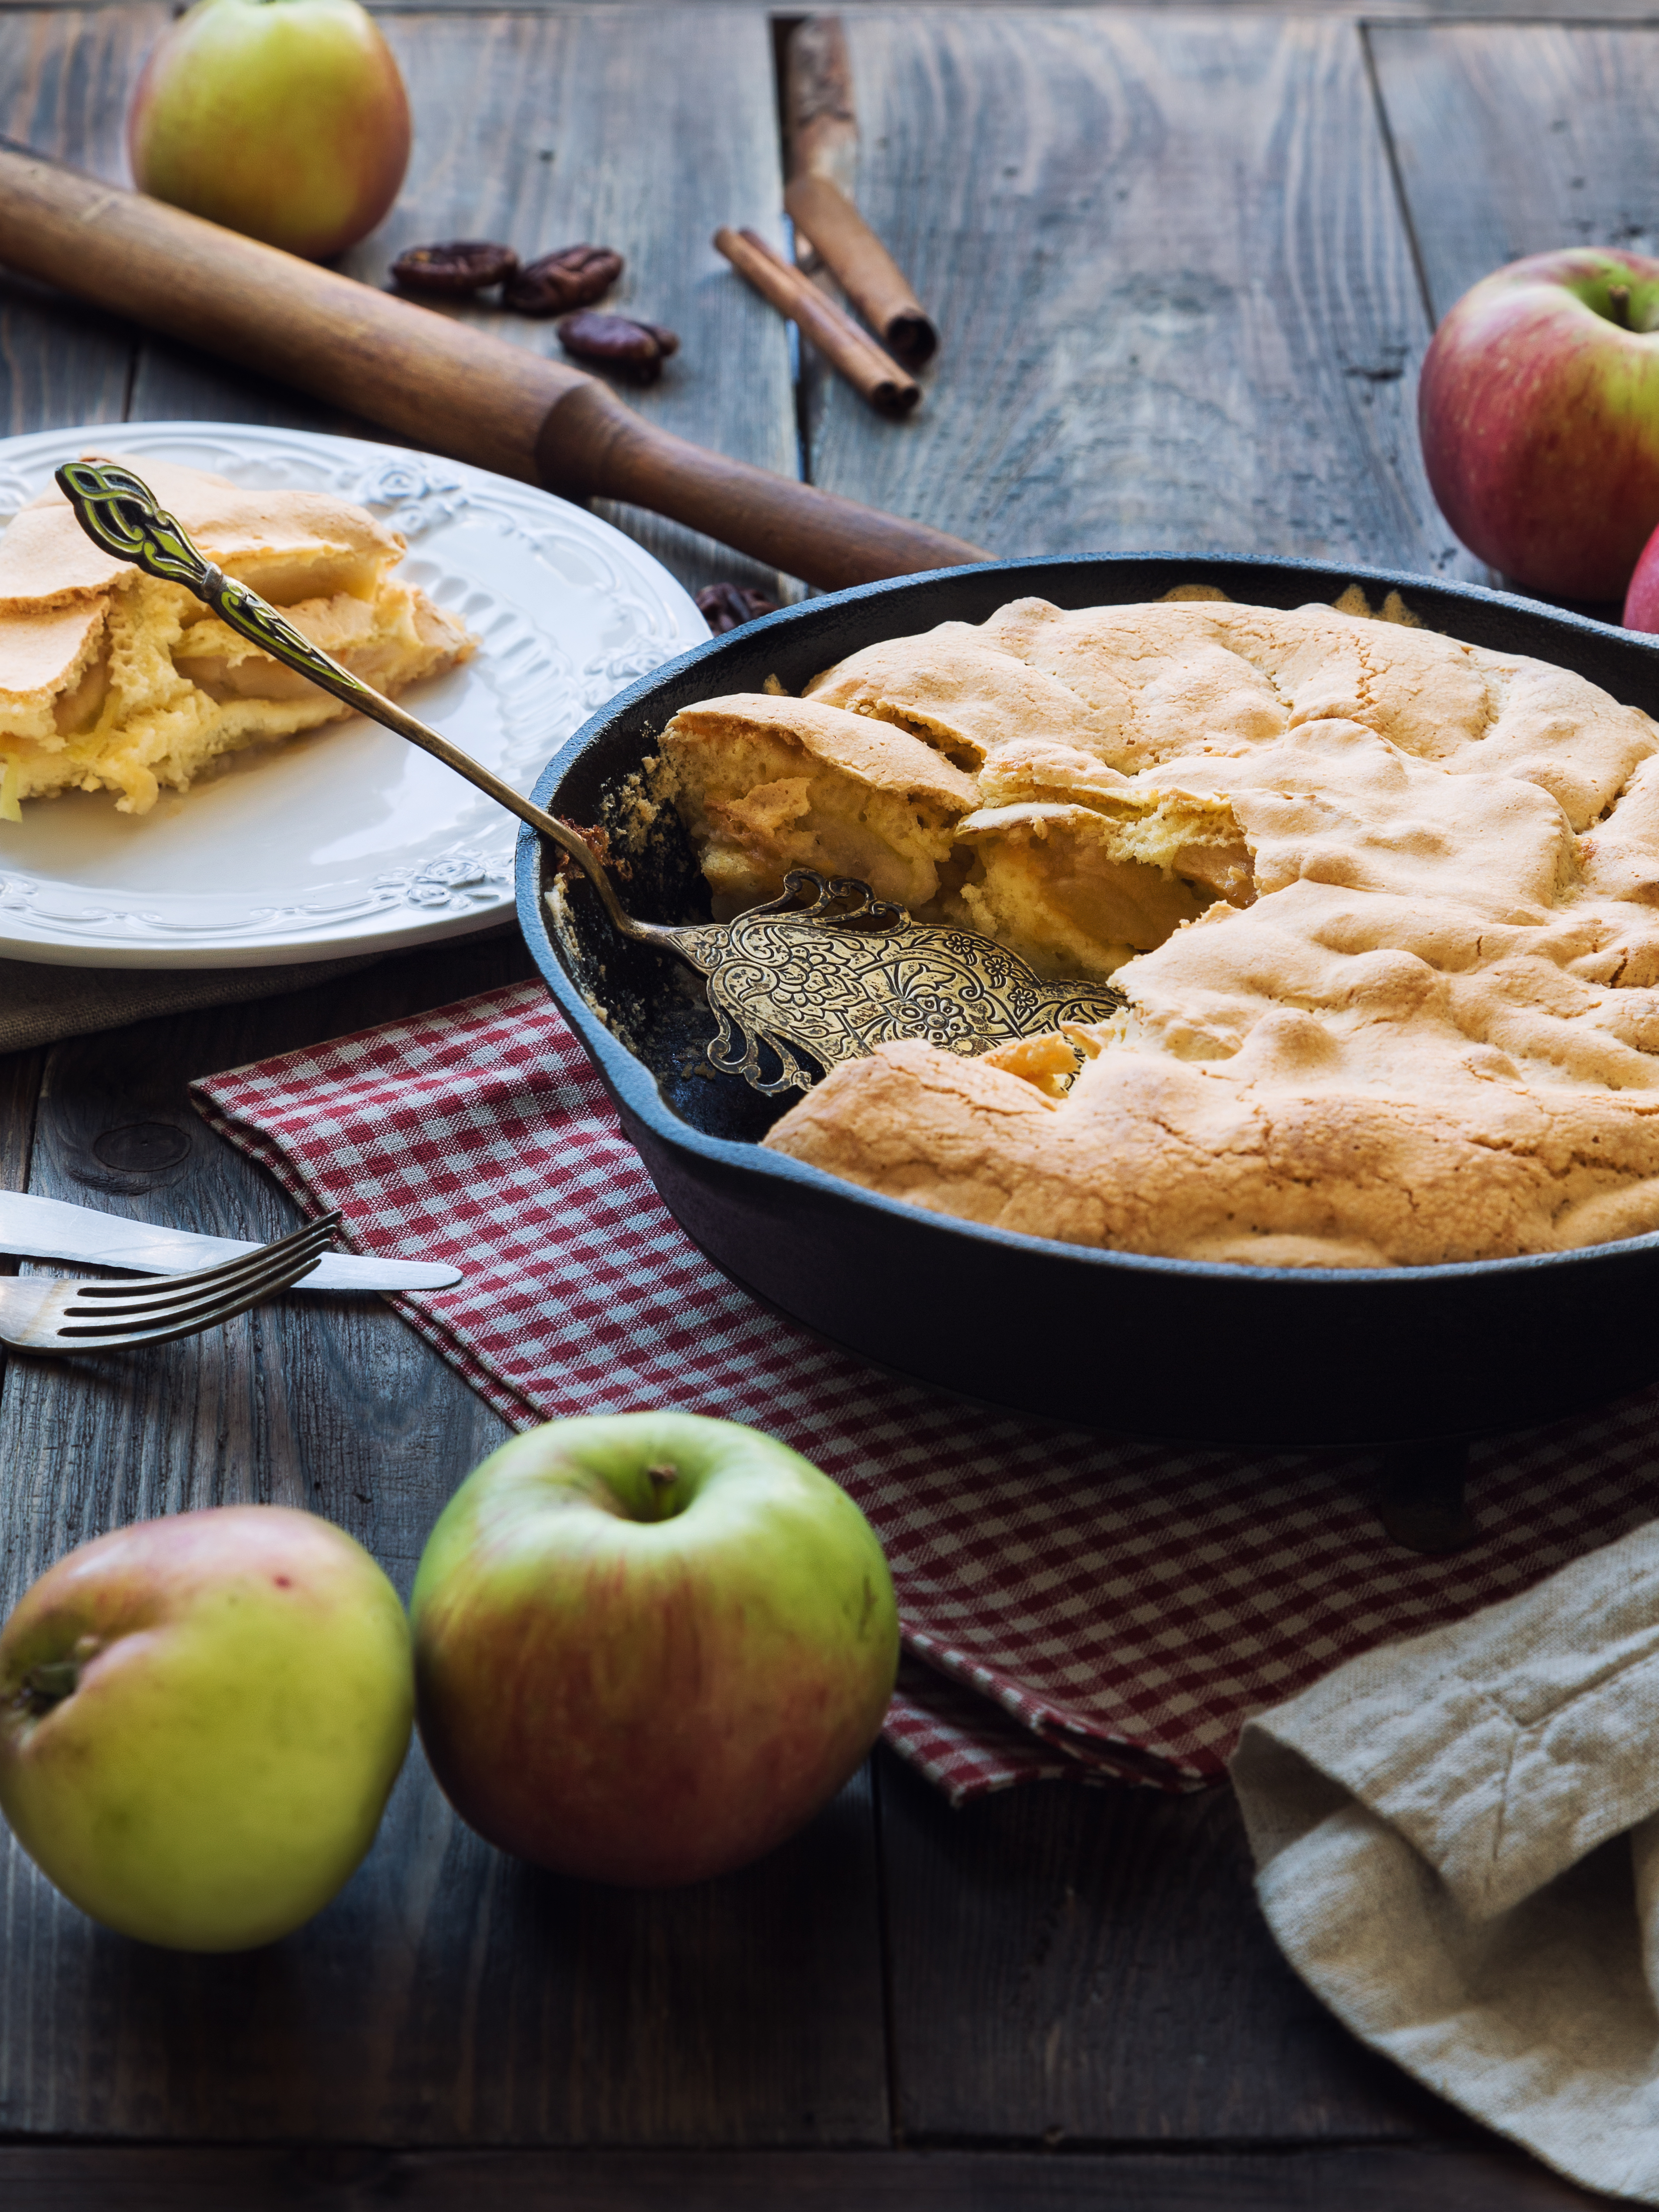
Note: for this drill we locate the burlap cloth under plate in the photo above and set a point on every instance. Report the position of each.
(1457, 1844)
(39, 1004)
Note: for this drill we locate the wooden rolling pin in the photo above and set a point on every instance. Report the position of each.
(427, 376)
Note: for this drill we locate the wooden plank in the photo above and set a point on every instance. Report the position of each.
(20, 1088)
(1512, 141)
(1090, 1965)
(172, 383)
(1465, 2179)
(1508, 10)
(63, 75)
(641, 129)
(1176, 295)
(20, 1085)
(449, 1995)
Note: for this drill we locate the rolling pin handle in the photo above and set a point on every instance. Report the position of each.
(590, 446)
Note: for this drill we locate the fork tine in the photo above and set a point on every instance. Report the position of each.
(162, 1294)
(318, 1234)
(161, 1304)
(201, 1312)
(103, 1319)
(108, 1322)
(225, 1305)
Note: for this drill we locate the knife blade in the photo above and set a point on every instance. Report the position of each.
(52, 1229)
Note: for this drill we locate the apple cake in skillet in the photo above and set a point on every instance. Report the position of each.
(1383, 907)
(110, 679)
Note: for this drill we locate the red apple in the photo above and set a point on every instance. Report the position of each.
(200, 1720)
(285, 120)
(1642, 600)
(1540, 413)
(649, 1646)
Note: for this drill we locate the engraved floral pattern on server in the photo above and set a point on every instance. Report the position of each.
(837, 993)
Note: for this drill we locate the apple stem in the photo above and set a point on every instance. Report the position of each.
(1619, 301)
(662, 1479)
(49, 1683)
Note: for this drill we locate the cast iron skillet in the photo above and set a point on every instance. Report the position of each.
(1166, 1349)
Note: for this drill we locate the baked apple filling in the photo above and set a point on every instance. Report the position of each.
(1071, 863)
(767, 785)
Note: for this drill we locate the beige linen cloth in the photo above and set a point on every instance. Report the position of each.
(1457, 1847)
(39, 1003)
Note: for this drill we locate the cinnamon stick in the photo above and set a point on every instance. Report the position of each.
(875, 375)
(861, 266)
(429, 377)
(821, 124)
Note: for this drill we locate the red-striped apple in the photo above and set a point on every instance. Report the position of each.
(1539, 406)
(1641, 599)
(649, 1646)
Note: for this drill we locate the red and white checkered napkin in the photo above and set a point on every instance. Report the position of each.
(1070, 1605)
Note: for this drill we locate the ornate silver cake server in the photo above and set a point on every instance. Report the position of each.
(830, 980)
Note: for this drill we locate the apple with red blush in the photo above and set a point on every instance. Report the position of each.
(201, 1718)
(1539, 406)
(285, 120)
(649, 1646)
(1641, 599)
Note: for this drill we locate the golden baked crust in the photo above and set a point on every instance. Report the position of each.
(111, 679)
(769, 784)
(1385, 908)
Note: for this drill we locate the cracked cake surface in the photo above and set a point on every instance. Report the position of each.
(1383, 907)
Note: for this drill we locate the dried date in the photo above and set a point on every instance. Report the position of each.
(634, 350)
(729, 607)
(573, 277)
(454, 269)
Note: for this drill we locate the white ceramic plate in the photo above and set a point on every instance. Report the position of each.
(347, 840)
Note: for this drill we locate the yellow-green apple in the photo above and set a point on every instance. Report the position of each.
(201, 1719)
(286, 119)
(1539, 407)
(649, 1646)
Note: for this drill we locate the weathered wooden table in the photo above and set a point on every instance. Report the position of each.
(1186, 264)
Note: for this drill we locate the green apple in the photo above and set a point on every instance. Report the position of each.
(649, 1646)
(201, 1719)
(285, 120)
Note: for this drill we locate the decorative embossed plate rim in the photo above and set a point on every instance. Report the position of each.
(347, 841)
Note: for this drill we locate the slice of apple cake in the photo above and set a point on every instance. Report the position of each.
(111, 680)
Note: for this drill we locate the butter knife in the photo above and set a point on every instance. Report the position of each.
(52, 1229)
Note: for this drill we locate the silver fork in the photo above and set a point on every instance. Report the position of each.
(83, 1317)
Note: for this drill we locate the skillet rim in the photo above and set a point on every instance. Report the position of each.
(633, 1089)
